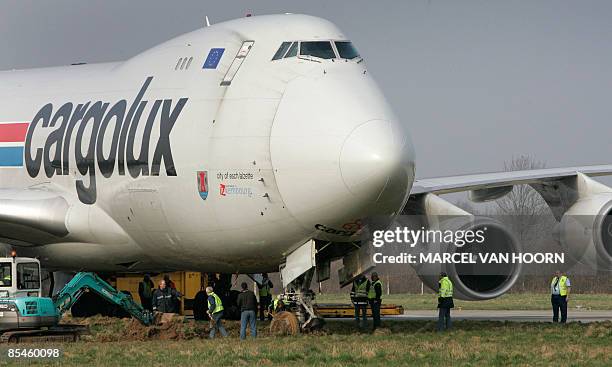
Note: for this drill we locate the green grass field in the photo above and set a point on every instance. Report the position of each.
(117, 342)
(522, 301)
(401, 343)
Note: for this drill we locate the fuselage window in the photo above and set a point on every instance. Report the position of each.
(320, 49)
(183, 63)
(281, 50)
(189, 63)
(180, 60)
(292, 50)
(346, 50)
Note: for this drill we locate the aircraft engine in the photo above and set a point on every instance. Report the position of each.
(472, 281)
(585, 231)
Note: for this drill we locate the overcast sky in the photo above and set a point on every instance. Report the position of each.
(477, 81)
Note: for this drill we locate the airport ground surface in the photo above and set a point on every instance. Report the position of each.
(400, 342)
(518, 301)
(506, 315)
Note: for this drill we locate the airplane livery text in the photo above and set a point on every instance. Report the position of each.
(70, 119)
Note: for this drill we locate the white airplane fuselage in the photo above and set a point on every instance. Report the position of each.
(203, 153)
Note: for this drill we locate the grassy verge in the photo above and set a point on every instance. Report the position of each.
(402, 343)
(522, 301)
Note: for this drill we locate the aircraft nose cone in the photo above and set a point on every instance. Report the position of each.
(370, 156)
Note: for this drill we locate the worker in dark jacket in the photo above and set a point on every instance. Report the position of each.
(165, 299)
(445, 302)
(145, 292)
(359, 297)
(247, 303)
(199, 305)
(375, 298)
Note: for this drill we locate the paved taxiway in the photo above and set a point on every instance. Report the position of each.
(494, 315)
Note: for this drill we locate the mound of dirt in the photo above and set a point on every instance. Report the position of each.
(173, 327)
(284, 323)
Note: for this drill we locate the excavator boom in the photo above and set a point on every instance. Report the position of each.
(85, 281)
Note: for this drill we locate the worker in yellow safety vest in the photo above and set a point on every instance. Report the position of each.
(265, 296)
(375, 298)
(277, 305)
(445, 302)
(359, 297)
(215, 312)
(559, 292)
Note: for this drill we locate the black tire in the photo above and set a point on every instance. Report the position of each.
(200, 306)
(86, 306)
(315, 324)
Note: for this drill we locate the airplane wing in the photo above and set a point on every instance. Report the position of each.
(483, 181)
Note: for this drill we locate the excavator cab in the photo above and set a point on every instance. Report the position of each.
(25, 315)
(19, 277)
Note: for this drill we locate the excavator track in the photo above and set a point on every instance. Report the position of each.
(60, 333)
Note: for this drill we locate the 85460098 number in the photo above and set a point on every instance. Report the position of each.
(33, 353)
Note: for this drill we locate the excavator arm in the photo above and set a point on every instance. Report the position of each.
(84, 281)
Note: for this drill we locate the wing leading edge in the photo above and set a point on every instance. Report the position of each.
(481, 181)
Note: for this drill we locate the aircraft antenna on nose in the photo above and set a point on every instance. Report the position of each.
(207, 21)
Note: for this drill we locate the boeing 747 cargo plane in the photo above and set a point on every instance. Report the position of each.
(242, 147)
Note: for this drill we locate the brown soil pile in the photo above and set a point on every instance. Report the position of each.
(174, 329)
(108, 329)
(284, 323)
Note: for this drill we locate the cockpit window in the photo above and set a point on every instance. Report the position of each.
(346, 50)
(281, 50)
(292, 50)
(321, 49)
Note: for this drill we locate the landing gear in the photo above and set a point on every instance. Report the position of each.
(300, 299)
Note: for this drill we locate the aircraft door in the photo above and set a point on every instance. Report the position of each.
(238, 60)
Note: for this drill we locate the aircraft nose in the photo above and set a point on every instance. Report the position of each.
(377, 163)
(338, 151)
(369, 157)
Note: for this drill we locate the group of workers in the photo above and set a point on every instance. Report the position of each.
(369, 292)
(366, 292)
(166, 299)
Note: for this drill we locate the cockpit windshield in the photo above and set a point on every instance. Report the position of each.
(281, 50)
(318, 49)
(346, 50)
(292, 50)
(321, 49)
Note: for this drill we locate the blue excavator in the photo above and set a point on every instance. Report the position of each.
(27, 316)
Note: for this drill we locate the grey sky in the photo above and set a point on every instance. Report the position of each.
(478, 81)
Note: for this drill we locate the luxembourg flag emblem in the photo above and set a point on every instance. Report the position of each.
(203, 184)
(12, 141)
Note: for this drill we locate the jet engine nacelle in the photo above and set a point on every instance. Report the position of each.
(585, 231)
(471, 281)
